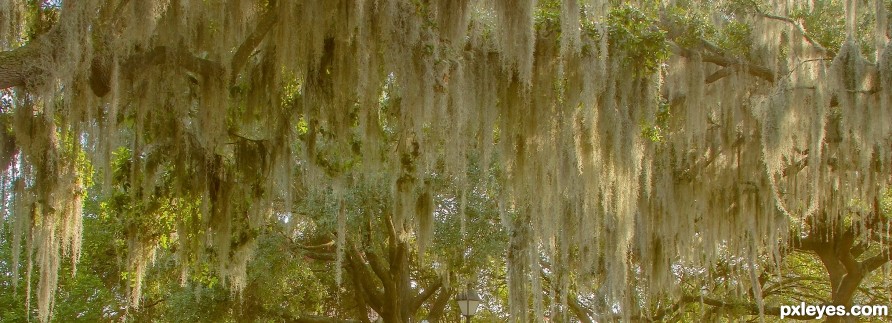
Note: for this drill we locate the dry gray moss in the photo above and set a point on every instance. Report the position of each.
(739, 160)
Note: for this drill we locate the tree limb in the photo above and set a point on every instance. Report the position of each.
(22, 66)
(843, 251)
(872, 263)
(425, 295)
(207, 69)
(244, 51)
(439, 305)
(719, 75)
(364, 278)
(721, 60)
(582, 313)
(378, 267)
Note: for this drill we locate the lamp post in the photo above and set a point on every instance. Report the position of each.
(468, 303)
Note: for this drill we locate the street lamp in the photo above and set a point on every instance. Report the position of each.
(468, 303)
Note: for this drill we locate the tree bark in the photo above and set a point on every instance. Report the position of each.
(23, 66)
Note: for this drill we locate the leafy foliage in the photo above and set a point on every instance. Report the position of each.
(632, 32)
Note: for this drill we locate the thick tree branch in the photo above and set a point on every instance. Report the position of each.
(843, 252)
(31, 64)
(364, 278)
(425, 295)
(23, 66)
(207, 69)
(581, 312)
(726, 71)
(438, 306)
(752, 69)
(872, 263)
(35, 63)
(378, 268)
(721, 60)
(392, 235)
(244, 51)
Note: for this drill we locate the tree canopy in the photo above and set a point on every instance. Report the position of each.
(594, 148)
